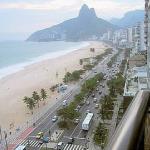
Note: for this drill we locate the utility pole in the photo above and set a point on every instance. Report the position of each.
(1, 134)
(46, 146)
(5, 135)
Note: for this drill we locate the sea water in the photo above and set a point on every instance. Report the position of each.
(15, 55)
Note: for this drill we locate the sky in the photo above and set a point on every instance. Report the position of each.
(20, 18)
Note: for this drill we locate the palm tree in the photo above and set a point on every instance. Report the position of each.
(25, 99)
(36, 97)
(43, 95)
(29, 102)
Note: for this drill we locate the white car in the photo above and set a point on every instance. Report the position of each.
(95, 100)
(96, 106)
(97, 89)
(88, 111)
(87, 102)
(64, 102)
(55, 118)
(76, 121)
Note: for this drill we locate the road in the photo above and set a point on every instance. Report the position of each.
(45, 123)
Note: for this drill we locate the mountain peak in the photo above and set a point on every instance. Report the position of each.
(86, 12)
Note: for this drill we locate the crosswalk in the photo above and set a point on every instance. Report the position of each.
(73, 147)
(31, 143)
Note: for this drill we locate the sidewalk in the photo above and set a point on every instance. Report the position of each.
(12, 145)
(114, 118)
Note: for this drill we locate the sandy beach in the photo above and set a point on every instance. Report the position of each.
(14, 87)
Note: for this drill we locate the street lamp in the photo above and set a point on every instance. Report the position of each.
(1, 134)
(5, 136)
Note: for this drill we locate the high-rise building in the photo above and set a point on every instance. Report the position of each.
(147, 36)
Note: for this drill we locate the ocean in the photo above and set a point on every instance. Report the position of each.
(15, 55)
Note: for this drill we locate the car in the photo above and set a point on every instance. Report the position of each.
(76, 109)
(83, 102)
(97, 89)
(103, 86)
(64, 103)
(60, 146)
(95, 71)
(55, 118)
(71, 140)
(95, 100)
(39, 135)
(78, 106)
(88, 111)
(45, 139)
(93, 95)
(100, 92)
(96, 106)
(87, 102)
(76, 121)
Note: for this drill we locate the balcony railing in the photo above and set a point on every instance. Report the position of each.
(127, 134)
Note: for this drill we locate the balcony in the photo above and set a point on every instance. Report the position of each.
(133, 132)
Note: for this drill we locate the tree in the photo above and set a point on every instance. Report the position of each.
(36, 97)
(69, 113)
(30, 102)
(100, 135)
(43, 95)
(25, 99)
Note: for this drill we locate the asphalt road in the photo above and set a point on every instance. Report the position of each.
(45, 123)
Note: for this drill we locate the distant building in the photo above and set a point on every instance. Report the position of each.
(130, 37)
(136, 61)
(136, 80)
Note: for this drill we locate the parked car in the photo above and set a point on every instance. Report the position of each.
(55, 118)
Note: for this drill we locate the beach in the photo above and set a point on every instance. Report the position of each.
(14, 87)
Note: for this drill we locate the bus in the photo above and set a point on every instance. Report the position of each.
(87, 121)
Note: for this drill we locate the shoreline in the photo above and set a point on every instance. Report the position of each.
(8, 70)
(34, 77)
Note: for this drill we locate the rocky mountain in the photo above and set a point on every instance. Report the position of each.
(129, 19)
(86, 26)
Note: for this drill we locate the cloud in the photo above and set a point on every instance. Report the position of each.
(59, 4)
(38, 5)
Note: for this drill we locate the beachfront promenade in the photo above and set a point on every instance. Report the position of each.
(42, 120)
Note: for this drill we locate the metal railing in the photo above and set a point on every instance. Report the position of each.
(126, 136)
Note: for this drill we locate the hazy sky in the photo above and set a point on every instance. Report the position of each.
(19, 18)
